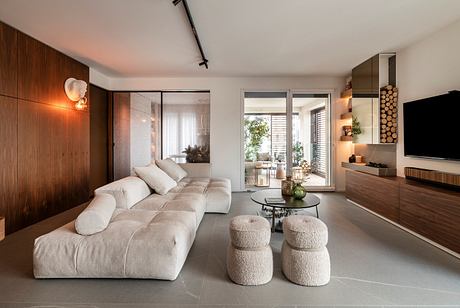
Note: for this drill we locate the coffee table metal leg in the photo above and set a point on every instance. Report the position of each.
(273, 220)
(317, 213)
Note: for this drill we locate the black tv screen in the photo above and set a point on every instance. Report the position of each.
(432, 127)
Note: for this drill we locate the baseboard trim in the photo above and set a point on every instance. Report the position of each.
(445, 249)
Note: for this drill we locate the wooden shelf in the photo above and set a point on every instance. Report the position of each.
(347, 115)
(346, 138)
(346, 93)
(391, 172)
(2, 228)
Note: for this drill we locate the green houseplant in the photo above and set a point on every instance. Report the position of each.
(355, 126)
(297, 151)
(254, 133)
(197, 154)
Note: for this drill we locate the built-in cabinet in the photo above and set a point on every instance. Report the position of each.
(429, 211)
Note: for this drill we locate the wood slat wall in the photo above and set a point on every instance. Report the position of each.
(44, 141)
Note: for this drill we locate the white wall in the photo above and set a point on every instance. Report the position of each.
(226, 110)
(427, 68)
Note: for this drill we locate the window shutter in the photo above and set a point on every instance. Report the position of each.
(318, 140)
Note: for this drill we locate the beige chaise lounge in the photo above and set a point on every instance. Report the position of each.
(148, 235)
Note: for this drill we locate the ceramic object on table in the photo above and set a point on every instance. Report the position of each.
(299, 192)
(286, 186)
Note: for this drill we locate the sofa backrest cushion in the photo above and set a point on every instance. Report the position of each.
(156, 178)
(197, 170)
(127, 191)
(172, 169)
(96, 217)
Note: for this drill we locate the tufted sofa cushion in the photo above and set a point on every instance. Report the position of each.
(194, 203)
(136, 244)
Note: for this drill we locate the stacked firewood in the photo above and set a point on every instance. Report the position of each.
(388, 114)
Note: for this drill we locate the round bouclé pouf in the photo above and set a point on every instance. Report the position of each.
(248, 231)
(249, 255)
(303, 231)
(250, 267)
(306, 268)
(304, 256)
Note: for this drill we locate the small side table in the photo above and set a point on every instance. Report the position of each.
(2, 228)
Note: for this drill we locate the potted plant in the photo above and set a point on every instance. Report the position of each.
(355, 128)
(254, 133)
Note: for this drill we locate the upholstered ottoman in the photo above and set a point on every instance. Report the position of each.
(304, 256)
(249, 255)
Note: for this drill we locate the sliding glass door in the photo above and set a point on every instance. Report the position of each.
(265, 139)
(285, 132)
(311, 137)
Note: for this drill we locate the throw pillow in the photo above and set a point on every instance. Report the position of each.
(96, 217)
(172, 169)
(156, 178)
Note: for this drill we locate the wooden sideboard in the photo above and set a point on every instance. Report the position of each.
(432, 212)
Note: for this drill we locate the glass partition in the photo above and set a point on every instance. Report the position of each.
(186, 126)
(148, 126)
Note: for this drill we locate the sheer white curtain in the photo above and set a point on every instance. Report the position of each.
(180, 131)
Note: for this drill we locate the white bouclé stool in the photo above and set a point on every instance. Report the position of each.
(304, 256)
(249, 255)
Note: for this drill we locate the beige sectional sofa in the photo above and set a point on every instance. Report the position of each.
(148, 235)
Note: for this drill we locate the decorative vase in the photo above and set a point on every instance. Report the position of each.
(286, 186)
(299, 192)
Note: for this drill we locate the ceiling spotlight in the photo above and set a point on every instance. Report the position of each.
(205, 63)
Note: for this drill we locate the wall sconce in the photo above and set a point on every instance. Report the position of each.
(76, 90)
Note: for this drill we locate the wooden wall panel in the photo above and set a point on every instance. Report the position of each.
(43, 71)
(121, 135)
(99, 143)
(8, 157)
(433, 213)
(8, 60)
(29, 192)
(55, 150)
(44, 154)
(79, 149)
(380, 195)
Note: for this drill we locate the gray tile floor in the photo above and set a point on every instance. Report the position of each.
(373, 264)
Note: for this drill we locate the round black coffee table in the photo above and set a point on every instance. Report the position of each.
(309, 201)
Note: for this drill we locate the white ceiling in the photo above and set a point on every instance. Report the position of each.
(148, 38)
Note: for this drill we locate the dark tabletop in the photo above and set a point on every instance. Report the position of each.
(310, 200)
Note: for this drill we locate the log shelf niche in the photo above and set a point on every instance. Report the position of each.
(388, 114)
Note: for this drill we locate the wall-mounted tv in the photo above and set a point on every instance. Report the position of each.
(432, 127)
